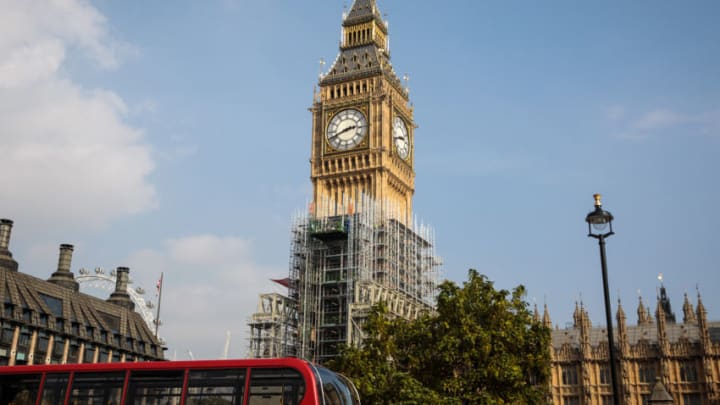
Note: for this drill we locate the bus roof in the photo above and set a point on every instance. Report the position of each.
(158, 365)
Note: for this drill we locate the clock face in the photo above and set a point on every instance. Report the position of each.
(346, 129)
(400, 138)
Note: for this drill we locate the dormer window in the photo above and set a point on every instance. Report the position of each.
(26, 315)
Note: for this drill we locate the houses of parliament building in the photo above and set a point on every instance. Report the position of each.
(684, 356)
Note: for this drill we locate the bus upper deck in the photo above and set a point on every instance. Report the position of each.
(202, 382)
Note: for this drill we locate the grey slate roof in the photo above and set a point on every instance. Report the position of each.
(360, 62)
(363, 11)
(675, 332)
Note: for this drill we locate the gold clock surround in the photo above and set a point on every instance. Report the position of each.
(363, 144)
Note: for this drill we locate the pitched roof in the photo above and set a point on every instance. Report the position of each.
(675, 333)
(51, 301)
(363, 11)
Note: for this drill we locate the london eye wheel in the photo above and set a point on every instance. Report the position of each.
(99, 279)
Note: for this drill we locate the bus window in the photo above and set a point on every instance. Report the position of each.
(275, 386)
(215, 387)
(336, 389)
(53, 392)
(97, 388)
(155, 387)
(19, 389)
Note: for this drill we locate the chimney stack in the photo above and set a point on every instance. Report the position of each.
(6, 260)
(121, 296)
(5, 228)
(63, 276)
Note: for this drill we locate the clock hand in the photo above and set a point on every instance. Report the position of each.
(344, 130)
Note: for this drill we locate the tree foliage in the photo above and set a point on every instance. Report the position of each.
(481, 346)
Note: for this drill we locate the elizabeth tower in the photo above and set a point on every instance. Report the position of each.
(362, 131)
(359, 243)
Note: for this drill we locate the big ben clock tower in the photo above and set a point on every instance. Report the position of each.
(362, 133)
(359, 243)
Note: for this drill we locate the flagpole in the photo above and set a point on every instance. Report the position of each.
(157, 317)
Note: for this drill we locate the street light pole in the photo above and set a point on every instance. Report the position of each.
(599, 220)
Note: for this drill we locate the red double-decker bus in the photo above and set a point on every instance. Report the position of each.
(213, 382)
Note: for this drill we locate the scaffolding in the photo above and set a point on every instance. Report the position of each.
(273, 328)
(349, 257)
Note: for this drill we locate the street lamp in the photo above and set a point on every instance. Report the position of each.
(600, 227)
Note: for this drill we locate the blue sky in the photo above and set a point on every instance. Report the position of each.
(175, 137)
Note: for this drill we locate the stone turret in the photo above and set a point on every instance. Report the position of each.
(702, 323)
(622, 328)
(120, 296)
(688, 312)
(6, 259)
(585, 351)
(577, 315)
(644, 317)
(585, 328)
(663, 342)
(546, 318)
(623, 351)
(63, 276)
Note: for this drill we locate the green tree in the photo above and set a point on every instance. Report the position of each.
(373, 369)
(480, 346)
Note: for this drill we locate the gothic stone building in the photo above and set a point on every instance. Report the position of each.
(50, 321)
(685, 357)
(359, 242)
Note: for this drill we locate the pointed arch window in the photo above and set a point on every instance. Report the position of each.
(688, 371)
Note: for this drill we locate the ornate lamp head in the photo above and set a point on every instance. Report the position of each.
(599, 221)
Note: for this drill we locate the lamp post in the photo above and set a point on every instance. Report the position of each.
(600, 227)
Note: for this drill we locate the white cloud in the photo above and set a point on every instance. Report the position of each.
(616, 112)
(663, 121)
(211, 285)
(69, 158)
(659, 119)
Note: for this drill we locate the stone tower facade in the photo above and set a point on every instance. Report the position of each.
(362, 126)
(359, 243)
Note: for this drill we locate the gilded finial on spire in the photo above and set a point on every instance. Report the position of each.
(597, 198)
